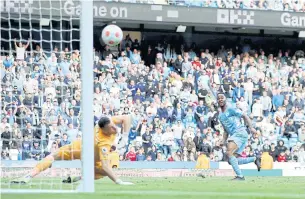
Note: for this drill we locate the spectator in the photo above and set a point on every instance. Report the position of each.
(7, 63)
(121, 147)
(159, 157)
(243, 105)
(257, 110)
(132, 135)
(298, 118)
(189, 150)
(151, 111)
(205, 147)
(177, 130)
(72, 132)
(53, 148)
(227, 85)
(289, 129)
(62, 126)
(301, 155)
(157, 139)
(26, 148)
(152, 153)
(18, 140)
(6, 136)
(238, 92)
(266, 159)
(198, 140)
(301, 133)
(162, 112)
(170, 159)
(189, 132)
(168, 141)
(267, 104)
(5, 155)
(36, 152)
(178, 114)
(277, 100)
(218, 152)
(288, 156)
(280, 147)
(14, 153)
(177, 156)
(64, 141)
(131, 155)
(248, 86)
(140, 155)
(282, 157)
(20, 50)
(148, 158)
(212, 118)
(201, 124)
(203, 162)
(42, 131)
(147, 140)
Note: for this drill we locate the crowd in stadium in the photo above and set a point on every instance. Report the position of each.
(278, 5)
(170, 92)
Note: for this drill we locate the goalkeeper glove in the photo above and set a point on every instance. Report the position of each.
(120, 182)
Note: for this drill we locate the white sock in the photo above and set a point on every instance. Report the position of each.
(28, 176)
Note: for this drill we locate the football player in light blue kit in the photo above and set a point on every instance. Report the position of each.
(236, 135)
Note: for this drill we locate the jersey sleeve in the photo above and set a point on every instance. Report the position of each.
(116, 120)
(104, 152)
(236, 112)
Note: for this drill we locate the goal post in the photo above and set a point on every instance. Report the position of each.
(86, 46)
(45, 24)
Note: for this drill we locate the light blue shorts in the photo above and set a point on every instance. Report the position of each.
(240, 139)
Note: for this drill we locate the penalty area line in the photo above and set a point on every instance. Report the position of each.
(196, 193)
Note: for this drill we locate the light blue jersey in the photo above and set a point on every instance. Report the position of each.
(230, 119)
(231, 122)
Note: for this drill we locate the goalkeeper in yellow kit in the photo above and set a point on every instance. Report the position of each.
(105, 134)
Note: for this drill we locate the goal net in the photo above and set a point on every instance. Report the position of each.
(45, 95)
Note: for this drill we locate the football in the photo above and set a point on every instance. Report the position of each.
(112, 35)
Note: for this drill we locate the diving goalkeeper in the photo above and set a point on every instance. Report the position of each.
(105, 134)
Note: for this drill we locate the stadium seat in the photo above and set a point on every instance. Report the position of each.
(292, 142)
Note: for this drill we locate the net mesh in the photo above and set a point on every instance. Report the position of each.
(41, 91)
(23, 19)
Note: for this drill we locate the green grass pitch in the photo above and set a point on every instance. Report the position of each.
(174, 188)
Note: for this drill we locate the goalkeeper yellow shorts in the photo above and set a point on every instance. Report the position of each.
(73, 152)
(70, 152)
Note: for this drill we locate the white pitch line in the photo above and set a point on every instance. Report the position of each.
(38, 191)
(195, 193)
(161, 193)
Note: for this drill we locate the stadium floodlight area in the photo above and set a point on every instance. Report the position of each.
(51, 32)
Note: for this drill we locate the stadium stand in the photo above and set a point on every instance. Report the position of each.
(276, 5)
(168, 88)
(172, 90)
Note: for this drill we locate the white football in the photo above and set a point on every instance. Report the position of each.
(112, 35)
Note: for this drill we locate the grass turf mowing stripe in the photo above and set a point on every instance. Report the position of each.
(134, 193)
(188, 193)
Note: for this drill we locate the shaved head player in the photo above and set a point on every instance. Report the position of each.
(235, 134)
(105, 134)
